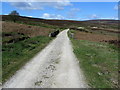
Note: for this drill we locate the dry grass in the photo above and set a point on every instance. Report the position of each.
(99, 61)
(93, 37)
(20, 43)
(29, 30)
(109, 30)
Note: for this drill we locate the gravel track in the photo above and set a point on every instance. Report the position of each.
(54, 67)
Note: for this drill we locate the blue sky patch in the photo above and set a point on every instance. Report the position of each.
(66, 10)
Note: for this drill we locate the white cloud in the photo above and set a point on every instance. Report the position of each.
(29, 16)
(32, 4)
(95, 0)
(35, 0)
(27, 5)
(75, 9)
(5, 14)
(116, 7)
(72, 14)
(46, 15)
(114, 18)
(52, 16)
(61, 0)
(94, 16)
(91, 17)
(59, 7)
(61, 4)
(109, 18)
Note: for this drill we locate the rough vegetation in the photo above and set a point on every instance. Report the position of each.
(106, 24)
(28, 30)
(21, 42)
(18, 53)
(99, 62)
(98, 57)
(93, 37)
(94, 43)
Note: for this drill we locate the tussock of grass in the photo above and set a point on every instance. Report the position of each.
(15, 55)
(99, 62)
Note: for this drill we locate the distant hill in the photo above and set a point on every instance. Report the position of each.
(47, 21)
(63, 23)
(107, 21)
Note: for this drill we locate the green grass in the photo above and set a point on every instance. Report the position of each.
(15, 55)
(99, 62)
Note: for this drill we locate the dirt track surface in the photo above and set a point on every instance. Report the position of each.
(54, 67)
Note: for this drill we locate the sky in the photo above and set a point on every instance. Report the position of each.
(63, 10)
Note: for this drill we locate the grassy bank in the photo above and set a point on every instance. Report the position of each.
(99, 62)
(16, 54)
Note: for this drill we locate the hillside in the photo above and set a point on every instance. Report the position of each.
(63, 23)
(24, 38)
(21, 41)
(93, 30)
